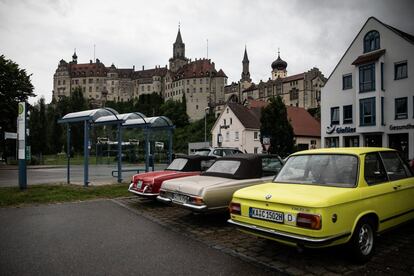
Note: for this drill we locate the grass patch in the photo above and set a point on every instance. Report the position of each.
(36, 194)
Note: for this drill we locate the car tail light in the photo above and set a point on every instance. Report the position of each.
(235, 208)
(196, 200)
(309, 221)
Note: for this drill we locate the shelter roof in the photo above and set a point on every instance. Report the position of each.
(153, 122)
(114, 118)
(87, 115)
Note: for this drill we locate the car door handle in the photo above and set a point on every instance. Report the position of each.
(397, 187)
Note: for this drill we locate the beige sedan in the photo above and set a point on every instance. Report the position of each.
(212, 190)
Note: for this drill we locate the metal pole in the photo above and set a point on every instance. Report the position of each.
(119, 132)
(85, 153)
(170, 146)
(21, 140)
(68, 152)
(147, 152)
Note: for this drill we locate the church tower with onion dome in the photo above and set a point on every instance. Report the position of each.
(279, 68)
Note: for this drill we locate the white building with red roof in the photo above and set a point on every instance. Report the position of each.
(239, 126)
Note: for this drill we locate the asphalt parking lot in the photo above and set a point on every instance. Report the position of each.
(103, 238)
(132, 236)
(394, 252)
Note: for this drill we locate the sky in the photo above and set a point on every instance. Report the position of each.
(37, 34)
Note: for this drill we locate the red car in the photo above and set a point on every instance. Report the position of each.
(149, 184)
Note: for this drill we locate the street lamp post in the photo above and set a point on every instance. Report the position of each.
(205, 123)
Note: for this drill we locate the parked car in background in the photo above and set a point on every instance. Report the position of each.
(213, 189)
(327, 197)
(148, 184)
(218, 152)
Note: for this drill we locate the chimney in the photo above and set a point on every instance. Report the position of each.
(90, 61)
(142, 67)
(133, 67)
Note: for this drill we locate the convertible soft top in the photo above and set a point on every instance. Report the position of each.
(250, 166)
(194, 162)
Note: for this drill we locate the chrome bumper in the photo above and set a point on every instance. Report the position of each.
(164, 199)
(288, 237)
(141, 193)
(187, 205)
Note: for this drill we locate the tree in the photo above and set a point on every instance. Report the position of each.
(15, 86)
(176, 111)
(39, 128)
(193, 132)
(276, 126)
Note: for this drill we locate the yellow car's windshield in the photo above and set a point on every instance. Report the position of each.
(339, 170)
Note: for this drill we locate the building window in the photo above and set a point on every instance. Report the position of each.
(227, 136)
(332, 142)
(196, 106)
(236, 136)
(90, 88)
(382, 76)
(58, 82)
(256, 135)
(256, 150)
(294, 94)
(347, 82)
(401, 108)
(367, 78)
(224, 122)
(201, 89)
(371, 41)
(400, 70)
(367, 112)
(335, 115)
(347, 114)
(382, 112)
(90, 80)
(231, 121)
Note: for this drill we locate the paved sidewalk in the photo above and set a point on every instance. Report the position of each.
(394, 254)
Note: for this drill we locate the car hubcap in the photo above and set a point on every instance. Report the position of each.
(366, 238)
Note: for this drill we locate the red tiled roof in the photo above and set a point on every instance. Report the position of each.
(149, 73)
(198, 69)
(251, 88)
(257, 104)
(87, 69)
(294, 77)
(245, 115)
(302, 122)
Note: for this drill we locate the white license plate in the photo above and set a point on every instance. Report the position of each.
(266, 214)
(139, 184)
(180, 198)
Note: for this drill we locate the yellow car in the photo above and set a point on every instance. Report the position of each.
(327, 197)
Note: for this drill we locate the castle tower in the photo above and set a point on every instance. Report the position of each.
(74, 57)
(245, 75)
(279, 68)
(178, 59)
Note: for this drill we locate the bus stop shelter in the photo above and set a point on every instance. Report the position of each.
(109, 116)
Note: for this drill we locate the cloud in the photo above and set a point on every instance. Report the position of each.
(37, 34)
